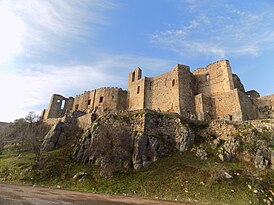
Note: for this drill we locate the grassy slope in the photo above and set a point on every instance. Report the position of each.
(181, 177)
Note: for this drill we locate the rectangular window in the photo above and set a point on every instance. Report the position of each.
(101, 99)
(89, 101)
(138, 89)
(76, 107)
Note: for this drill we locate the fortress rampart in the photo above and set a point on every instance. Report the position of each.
(205, 94)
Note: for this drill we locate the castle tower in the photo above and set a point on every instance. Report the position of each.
(136, 90)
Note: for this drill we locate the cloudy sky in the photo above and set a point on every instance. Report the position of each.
(67, 47)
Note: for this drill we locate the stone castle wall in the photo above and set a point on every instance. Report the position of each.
(136, 90)
(205, 94)
(265, 107)
(162, 92)
(102, 99)
(215, 79)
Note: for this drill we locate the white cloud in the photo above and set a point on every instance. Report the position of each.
(220, 30)
(12, 31)
(30, 88)
(30, 26)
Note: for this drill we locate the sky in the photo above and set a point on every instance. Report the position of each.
(68, 47)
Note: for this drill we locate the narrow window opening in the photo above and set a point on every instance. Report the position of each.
(58, 100)
(89, 101)
(173, 82)
(207, 77)
(112, 97)
(230, 117)
(138, 89)
(63, 104)
(133, 76)
(76, 107)
(101, 99)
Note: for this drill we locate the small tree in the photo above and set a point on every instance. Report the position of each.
(28, 132)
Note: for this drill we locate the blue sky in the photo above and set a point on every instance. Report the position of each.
(67, 47)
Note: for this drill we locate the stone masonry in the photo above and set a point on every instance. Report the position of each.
(205, 94)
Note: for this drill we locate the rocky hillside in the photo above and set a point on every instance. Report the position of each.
(136, 139)
(3, 127)
(151, 154)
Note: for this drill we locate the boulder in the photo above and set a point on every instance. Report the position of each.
(79, 176)
(54, 138)
(185, 138)
(261, 160)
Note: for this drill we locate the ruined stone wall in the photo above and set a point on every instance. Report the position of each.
(237, 83)
(265, 107)
(215, 79)
(53, 121)
(84, 121)
(173, 91)
(110, 99)
(227, 106)
(247, 106)
(101, 99)
(203, 105)
(56, 107)
(136, 90)
(162, 92)
(187, 92)
(81, 101)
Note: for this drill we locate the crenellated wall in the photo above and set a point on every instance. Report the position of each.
(205, 94)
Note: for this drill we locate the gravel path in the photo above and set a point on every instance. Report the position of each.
(28, 195)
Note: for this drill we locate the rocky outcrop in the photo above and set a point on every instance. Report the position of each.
(63, 132)
(123, 142)
(230, 149)
(55, 137)
(250, 141)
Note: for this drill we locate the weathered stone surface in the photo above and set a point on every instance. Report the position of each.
(54, 138)
(202, 154)
(263, 158)
(208, 93)
(230, 150)
(184, 138)
(122, 142)
(79, 176)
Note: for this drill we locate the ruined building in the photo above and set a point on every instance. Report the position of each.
(205, 94)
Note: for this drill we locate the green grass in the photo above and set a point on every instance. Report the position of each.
(181, 177)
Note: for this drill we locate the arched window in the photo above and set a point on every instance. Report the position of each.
(138, 89)
(133, 76)
(207, 77)
(173, 82)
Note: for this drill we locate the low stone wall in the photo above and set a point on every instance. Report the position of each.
(85, 121)
(53, 121)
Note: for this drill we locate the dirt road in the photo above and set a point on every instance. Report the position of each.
(27, 195)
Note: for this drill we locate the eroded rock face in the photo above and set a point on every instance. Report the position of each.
(250, 141)
(55, 137)
(230, 149)
(118, 142)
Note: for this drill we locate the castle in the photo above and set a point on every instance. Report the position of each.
(205, 94)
